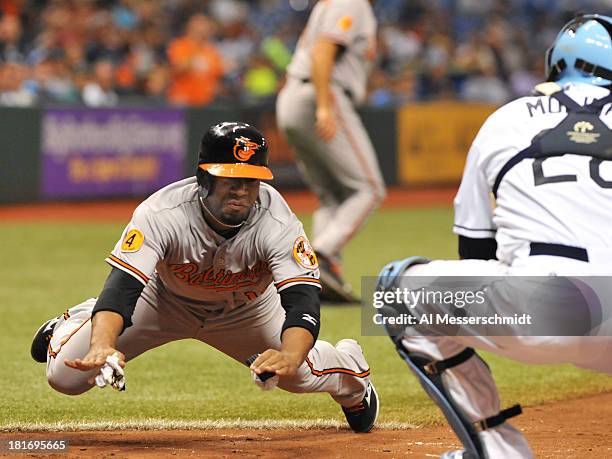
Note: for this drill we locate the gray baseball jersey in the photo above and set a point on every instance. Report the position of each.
(202, 270)
(343, 172)
(349, 23)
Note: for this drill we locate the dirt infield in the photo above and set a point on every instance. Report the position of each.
(572, 429)
(122, 210)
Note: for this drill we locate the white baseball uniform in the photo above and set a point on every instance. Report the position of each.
(343, 172)
(555, 201)
(223, 292)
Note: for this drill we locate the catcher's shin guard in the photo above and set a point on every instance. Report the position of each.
(429, 371)
(429, 374)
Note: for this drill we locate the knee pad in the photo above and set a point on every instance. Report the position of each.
(429, 373)
(387, 277)
(387, 280)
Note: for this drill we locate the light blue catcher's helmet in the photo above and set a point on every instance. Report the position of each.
(582, 52)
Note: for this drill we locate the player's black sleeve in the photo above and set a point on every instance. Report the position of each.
(120, 293)
(477, 249)
(302, 306)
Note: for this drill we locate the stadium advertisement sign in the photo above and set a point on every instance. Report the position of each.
(434, 138)
(111, 152)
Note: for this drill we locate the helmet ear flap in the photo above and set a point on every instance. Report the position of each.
(201, 177)
(205, 181)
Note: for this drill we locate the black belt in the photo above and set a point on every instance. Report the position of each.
(347, 92)
(559, 250)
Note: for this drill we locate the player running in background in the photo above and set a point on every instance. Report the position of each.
(316, 111)
(547, 159)
(219, 258)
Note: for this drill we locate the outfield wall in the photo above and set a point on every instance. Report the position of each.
(75, 153)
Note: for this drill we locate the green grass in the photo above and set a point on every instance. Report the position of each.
(49, 267)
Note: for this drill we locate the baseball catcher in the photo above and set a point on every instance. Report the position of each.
(546, 158)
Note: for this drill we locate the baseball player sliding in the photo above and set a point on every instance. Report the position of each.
(316, 112)
(547, 159)
(219, 258)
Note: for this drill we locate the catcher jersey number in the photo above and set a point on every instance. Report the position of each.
(594, 169)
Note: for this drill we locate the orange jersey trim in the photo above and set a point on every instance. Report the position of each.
(329, 371)
(130, 268)
(53, 353)
(309, 280)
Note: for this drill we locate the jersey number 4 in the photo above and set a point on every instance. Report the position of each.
(594, 169)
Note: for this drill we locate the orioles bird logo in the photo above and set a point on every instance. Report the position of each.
(244, 148)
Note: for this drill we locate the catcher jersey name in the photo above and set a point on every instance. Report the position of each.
(541, 106)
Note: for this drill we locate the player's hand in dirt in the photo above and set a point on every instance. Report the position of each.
(326, 123)
(95, 358)
(282, 363)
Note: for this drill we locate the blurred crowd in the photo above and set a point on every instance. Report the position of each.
(194, 53)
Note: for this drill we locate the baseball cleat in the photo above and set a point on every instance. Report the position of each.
(334, 289)
(362, 417)
(40, 343)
